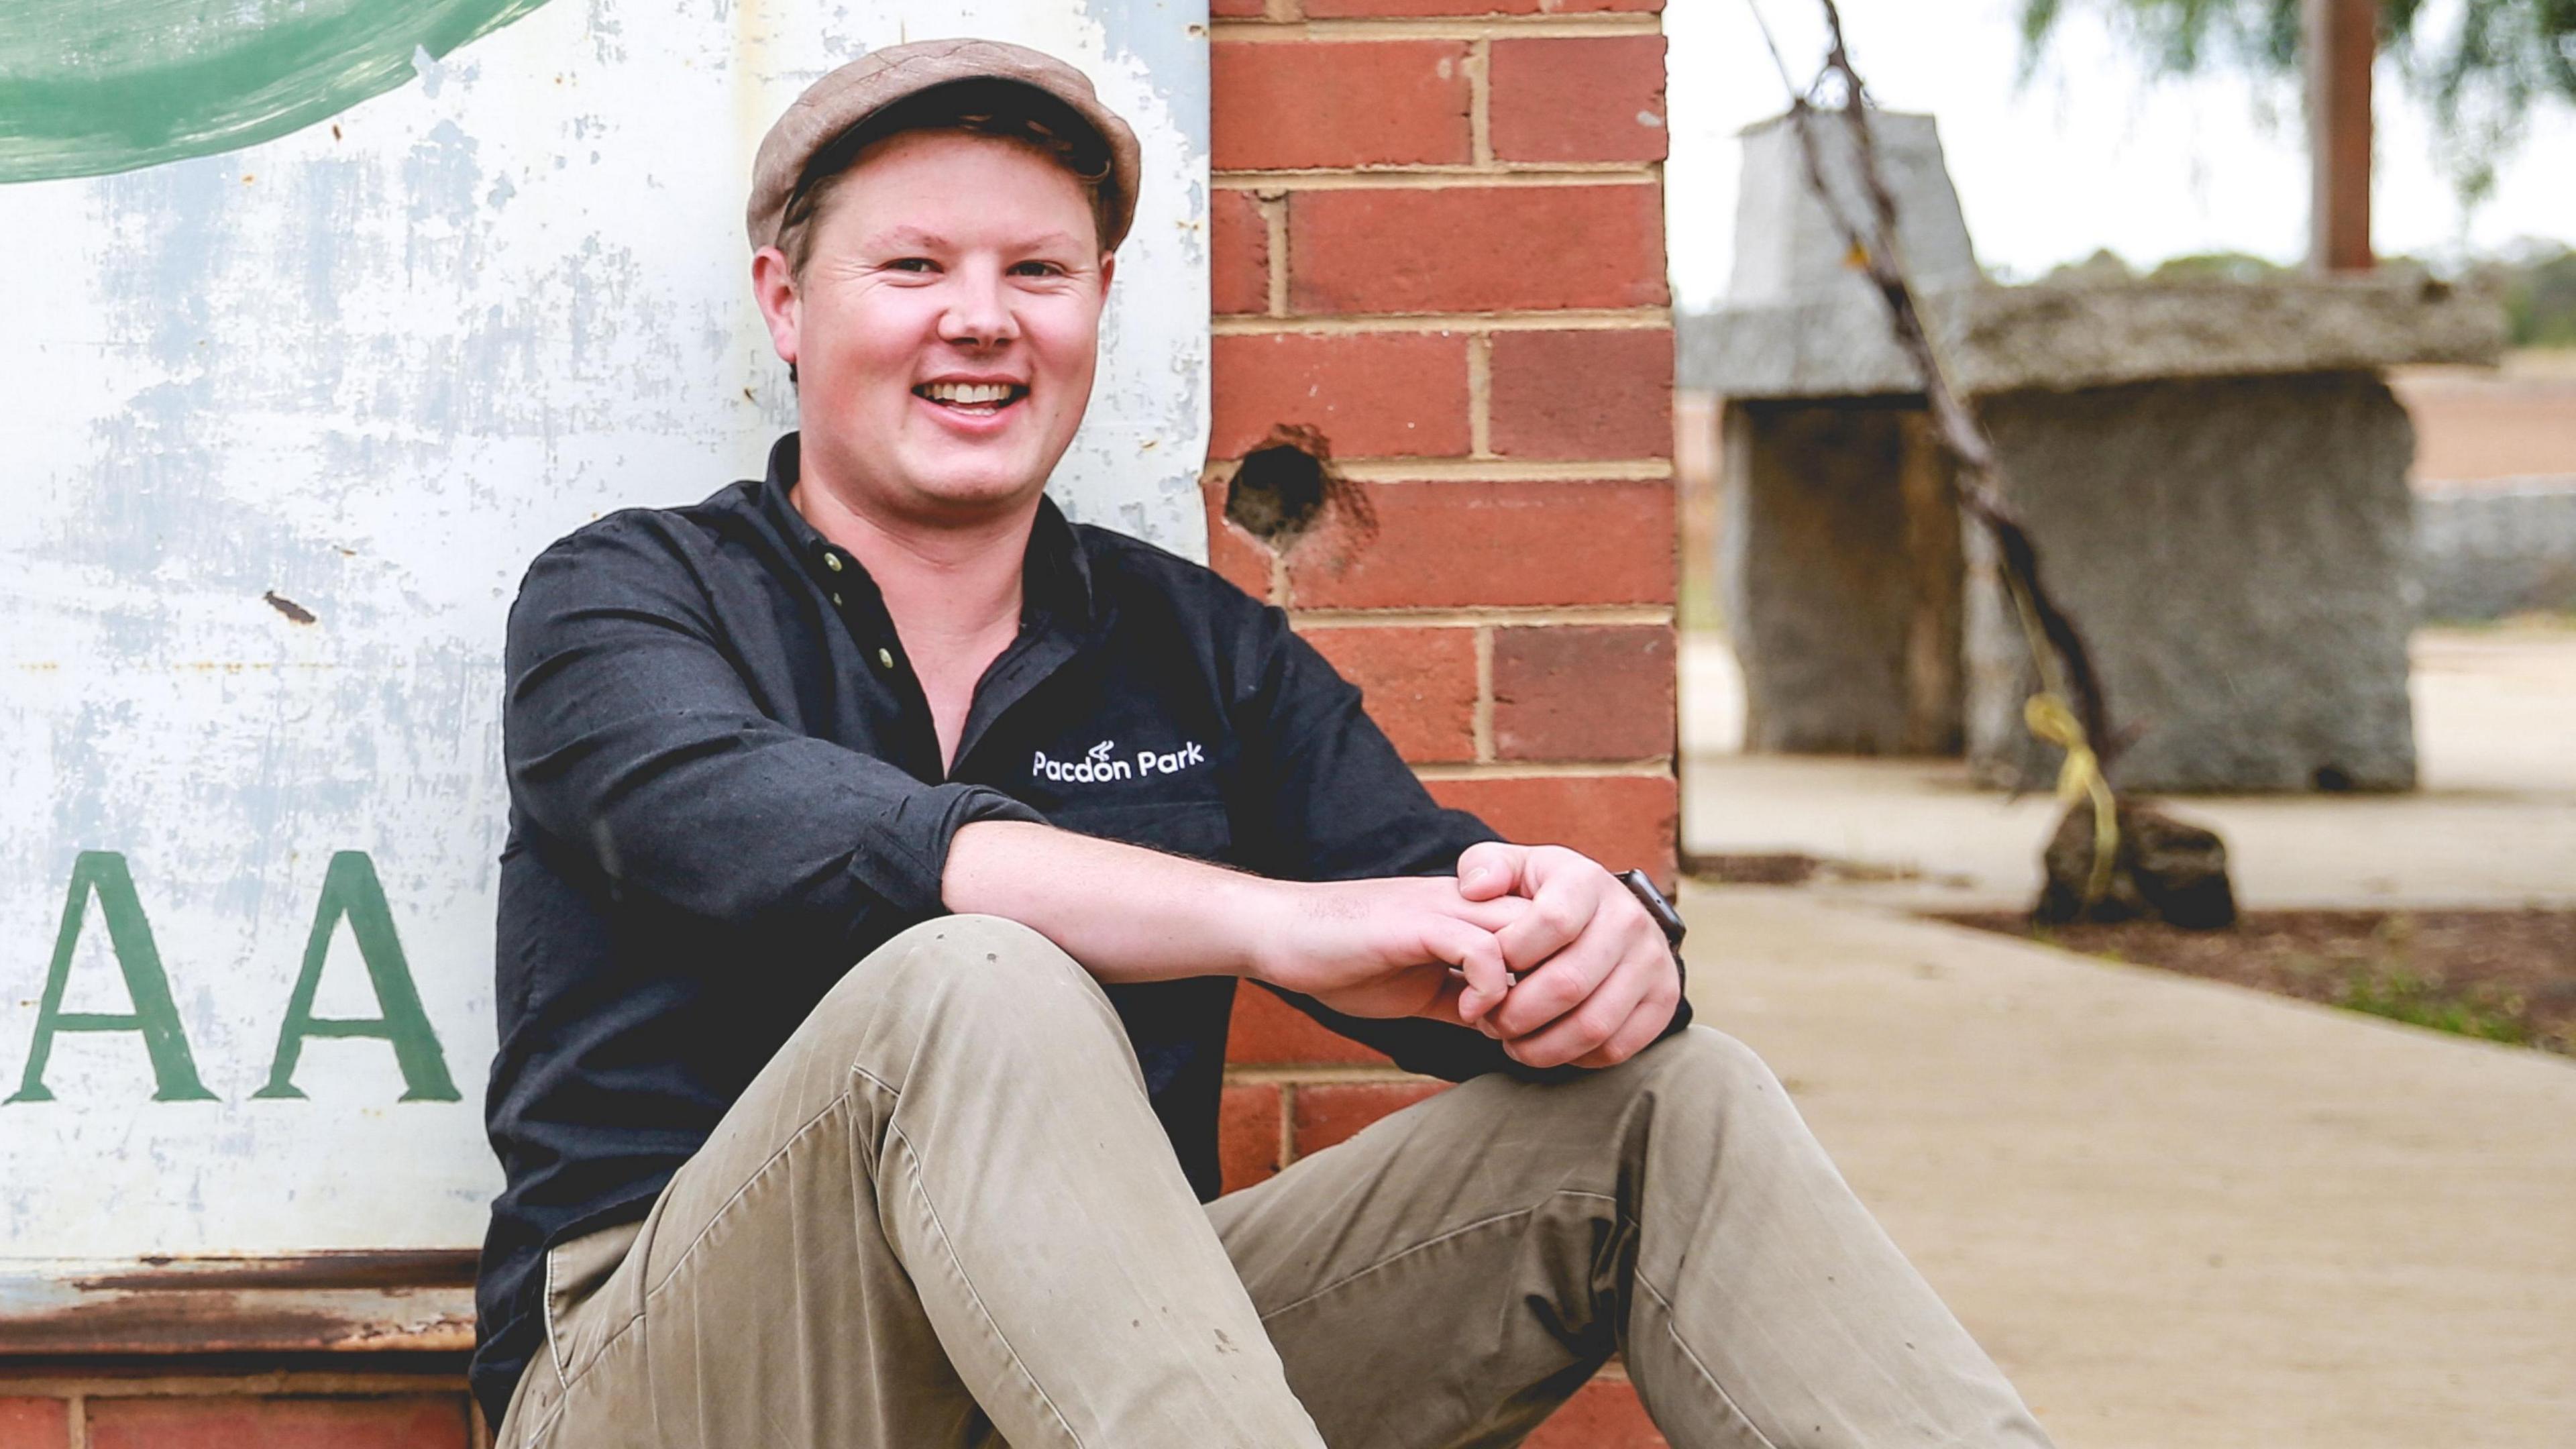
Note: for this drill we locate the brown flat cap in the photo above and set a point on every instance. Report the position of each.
(853, 93)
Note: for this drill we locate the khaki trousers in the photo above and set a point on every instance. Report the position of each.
(945, 1215)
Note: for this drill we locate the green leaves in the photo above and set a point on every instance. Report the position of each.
(2481, 75)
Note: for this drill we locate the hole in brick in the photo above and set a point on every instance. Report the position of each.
(1287, 487)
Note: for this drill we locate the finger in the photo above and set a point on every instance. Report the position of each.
(1562, 905)
(1488, 869)
(1589, 1025)
(1491, 915)
(1477, 956)
(1644, 1025)
(1444, 1006)
(1563, 981)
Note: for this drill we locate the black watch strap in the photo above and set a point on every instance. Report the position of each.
(1656, 906)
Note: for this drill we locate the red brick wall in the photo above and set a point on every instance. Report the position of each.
(1438, 244)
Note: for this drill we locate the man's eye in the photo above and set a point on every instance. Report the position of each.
(912, 264)
(1039, 269)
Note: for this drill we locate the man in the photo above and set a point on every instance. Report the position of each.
(1053, 791)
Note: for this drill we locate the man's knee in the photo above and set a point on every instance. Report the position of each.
(975, 975)
(1705, 1066)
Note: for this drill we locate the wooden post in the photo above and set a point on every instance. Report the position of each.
(2342, 40)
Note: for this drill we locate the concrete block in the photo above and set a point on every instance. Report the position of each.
(2063, 336)
(2489, 550)
(1840, 576)
(2236, 552)
(1788, 247)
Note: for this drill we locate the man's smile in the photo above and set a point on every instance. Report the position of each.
(974, 399)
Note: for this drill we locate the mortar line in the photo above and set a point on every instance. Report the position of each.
(1501, 177)
(1571, 319)
(1658, 767)
(1484, 725)
(1273, 28)
(1480, 102)
(76, 1421)
(1480, 395)
(1287, 1122)
(1501, 614)
(1274, 221)
(1501, 470)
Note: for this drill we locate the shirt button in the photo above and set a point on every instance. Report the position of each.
(885, 659)
(836, 601)
(832, 561)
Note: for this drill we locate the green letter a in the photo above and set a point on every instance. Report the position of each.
(351, 889)
(174, 1072)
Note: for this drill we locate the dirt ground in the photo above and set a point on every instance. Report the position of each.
(2503, 975)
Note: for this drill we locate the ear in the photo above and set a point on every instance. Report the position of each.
(1108, 269)
(773, 286)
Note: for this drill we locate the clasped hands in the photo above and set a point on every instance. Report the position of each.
(1538, 947)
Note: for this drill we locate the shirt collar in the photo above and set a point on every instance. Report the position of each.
(1055, 574)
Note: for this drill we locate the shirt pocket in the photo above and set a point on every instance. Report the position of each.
(1200, 829)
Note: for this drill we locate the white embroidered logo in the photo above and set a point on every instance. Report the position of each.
(1098, 765)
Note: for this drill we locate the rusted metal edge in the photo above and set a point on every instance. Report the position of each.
(410, 1302)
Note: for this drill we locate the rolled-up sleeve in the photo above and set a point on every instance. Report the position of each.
(633, 738)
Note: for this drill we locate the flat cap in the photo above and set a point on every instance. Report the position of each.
(851, 94)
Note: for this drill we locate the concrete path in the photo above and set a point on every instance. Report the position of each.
(2179, 1213)
(2495, 823)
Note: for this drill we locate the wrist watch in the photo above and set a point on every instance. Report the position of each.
(1656, 906)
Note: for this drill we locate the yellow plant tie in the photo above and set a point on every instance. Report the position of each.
(2050, 719)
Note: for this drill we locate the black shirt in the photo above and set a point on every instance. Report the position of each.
(725, 788)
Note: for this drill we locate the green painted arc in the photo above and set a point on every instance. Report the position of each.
(90, 87)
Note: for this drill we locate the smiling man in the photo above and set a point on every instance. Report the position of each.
(886, 852)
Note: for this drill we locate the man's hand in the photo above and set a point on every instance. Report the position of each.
(1597, 977)
(1385, 947)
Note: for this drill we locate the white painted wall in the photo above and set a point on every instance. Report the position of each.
(373, 367)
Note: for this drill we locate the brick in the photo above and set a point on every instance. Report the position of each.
(1235, 9)
(1347, 103)
(1603, 1414)
(1584, 692)
(1343, 9)
(1464, 544)
(1241, 559)
(1589, 98)
(1418, 684)
(1371, 395)
(422, 1421)
(1476, 248)
(1583, 394)
(1330, 1112)
(1247, 1134)
(1618, 820)
(1267, 1031)
(35, 1423)
(1238, 254)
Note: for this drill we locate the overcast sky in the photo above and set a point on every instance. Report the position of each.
(2089, 154)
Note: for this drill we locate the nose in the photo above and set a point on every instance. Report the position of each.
(979, 307)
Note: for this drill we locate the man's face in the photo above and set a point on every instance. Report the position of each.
(946, 326)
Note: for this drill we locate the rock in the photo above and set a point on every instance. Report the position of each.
(2166, 868)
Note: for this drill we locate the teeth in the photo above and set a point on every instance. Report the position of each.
(969, 393)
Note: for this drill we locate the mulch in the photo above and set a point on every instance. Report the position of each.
(2504, 975)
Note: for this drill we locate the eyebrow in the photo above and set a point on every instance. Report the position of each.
(913, 236)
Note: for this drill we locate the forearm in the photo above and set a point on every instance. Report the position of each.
(1124, 912)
